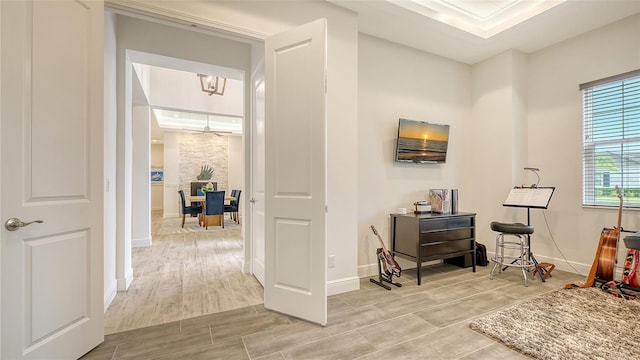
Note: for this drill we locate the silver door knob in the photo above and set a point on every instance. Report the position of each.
(14, 224)
(252, 200)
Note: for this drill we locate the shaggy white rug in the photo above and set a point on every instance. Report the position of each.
(568, 324)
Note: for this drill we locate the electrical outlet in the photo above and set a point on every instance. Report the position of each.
(331, 261)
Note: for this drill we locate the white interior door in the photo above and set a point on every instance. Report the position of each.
(51, 159)
(295, 191)
(257, 175)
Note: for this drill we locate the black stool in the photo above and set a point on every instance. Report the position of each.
(518, 249)
(632, 241)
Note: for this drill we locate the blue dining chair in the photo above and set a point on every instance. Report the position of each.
(199, 192)
(191, 209)
(214, 205)
(234, 205)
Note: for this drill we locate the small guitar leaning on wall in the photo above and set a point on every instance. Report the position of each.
(631, 274)
(390, 264)
(629, 277)
(603, 266)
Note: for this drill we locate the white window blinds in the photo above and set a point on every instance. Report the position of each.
(611, 142)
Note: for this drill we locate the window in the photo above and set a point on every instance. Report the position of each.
(611, 142)
(606, 180)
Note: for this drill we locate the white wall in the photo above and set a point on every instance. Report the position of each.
(555, 135)
(396, 81)
(124, 270)
(496, 140)
(140, 181)
(235, 179)
(171, 205)
(508, 112)
(342, 147)
(110, 118)
(157, 155)
(157, 190)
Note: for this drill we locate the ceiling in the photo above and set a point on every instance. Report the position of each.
(178, 102)
(467, 31)
(470, 31)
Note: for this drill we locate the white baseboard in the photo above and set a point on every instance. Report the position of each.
(123, 283)
(170, 215)
(561, 264)
(580, 268)
(141, 242)
(369, 270)
(110, 294)
(340, 286)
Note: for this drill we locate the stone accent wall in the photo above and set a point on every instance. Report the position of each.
(199, 149)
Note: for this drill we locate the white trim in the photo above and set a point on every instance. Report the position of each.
(141, 242)
(159, 14)
(340, 286)
(110, 294)
(369, 270)
(562, 264)
(123, 283)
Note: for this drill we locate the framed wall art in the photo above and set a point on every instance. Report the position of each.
(157, 175)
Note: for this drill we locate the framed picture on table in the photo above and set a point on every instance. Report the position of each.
(440, 202)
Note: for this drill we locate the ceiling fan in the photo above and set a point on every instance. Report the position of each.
(208, 130)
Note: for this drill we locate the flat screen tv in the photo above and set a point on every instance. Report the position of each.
(421, 142)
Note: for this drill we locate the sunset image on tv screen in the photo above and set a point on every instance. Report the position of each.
(420, 141)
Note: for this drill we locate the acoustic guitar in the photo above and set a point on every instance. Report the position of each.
(390, 263)
(607, 259)
(630, 277)
(604, 261)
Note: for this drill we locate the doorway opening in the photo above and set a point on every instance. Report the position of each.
(182, 272)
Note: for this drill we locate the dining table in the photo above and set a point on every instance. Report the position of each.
(215, 220)
(201, 198)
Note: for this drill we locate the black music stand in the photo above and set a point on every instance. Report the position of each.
(530, 198)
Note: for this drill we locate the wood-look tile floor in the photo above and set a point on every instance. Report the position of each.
(187, 272)
(413, 322)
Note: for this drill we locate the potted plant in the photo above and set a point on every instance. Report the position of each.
(206, 172)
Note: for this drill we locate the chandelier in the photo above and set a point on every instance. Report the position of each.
(212, 85)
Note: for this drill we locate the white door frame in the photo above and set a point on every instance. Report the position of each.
(124, 271)
(237, 33)
(255, 245)
(125, 149)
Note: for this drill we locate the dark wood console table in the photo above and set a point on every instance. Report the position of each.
(430, 236)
